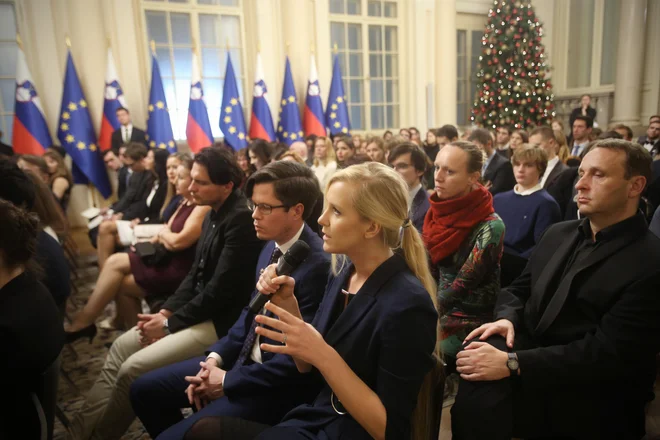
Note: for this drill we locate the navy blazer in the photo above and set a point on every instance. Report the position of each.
(420, 205)
(499, 173)
(386, 335)
(276, 371)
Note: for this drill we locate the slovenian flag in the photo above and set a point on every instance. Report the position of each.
(289, 130)
(261, 122)
(336, 110)
(198, 129)
(313, 116)
(31, 134)
(159, 125)
(113, 98)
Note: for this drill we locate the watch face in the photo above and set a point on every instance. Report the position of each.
(512, 364)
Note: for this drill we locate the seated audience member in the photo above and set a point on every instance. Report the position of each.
(344, 150)
(30, 322)
(243, 161)
(60, 179)
(310, 140)
(35, 164)
(375, 149)
(141, 202)
(132, 278)
(357, 142)
(443, 135)
(572, 351)
(126, 133)
(651, 141)
(387, 135)
(374, 335)
(278, 148)
(357, 159)
(53, 229)
(527, 210)
(405, 134)
(518, 139)
(558, 125)
(300, 148)
(464, 237)
(563, 152)
(205, 305)
(242, 378)
(415, 137)
(113, 162)
(431, 146)
(260, 153)
(582, 129)
(410, 162)
(625, 131)
(173, 197)
(292, 156)
(502, 139)
(585, 110)
(544, 137)
(496, 171)
(325, 164)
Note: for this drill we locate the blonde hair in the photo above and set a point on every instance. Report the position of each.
(183, 158)
(62, 170)
(531, 153)
(381, 196)
(329, 151)
(562, 151)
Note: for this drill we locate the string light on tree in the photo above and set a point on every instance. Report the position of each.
(512, 88)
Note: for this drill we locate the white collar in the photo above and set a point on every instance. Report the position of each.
(527, 192)
(286, 246)
(129, 127)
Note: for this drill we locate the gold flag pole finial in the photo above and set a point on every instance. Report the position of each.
(19, 41)
(108, 40)
(152, 45)
(67, 40)
(311, 48)
(227, 44)
(335, 49)
(288, 47)
(258, 46)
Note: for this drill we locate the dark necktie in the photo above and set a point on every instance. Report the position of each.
(252, 334)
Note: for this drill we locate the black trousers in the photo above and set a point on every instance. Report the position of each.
(500, 410)
(233, 428)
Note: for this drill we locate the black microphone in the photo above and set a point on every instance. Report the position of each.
(287, 264)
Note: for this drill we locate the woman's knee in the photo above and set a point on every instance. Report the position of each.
(107, 227)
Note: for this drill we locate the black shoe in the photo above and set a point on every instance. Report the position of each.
(87, 332)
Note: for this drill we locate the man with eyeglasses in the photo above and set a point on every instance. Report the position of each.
(237, 378)
(410, 162)
(201, 310)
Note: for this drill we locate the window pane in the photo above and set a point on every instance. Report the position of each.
(157, 27)
(474, 64)
(460, 68)
(354, 37)
(353, 7)
(218, 2)
(214, 120)
(377, 92)
(377, 117)
(164, 62)
(235, 55)
(182, 94)
(179, 1)
(180, 28)
(8, 129)
(461, 114)
(374, 8)
(356, 91)
(390, 9)
(375, 38)
(183, 63)
(357, 117)
(337, 35)
(211, 64)
(610, 35)
(461, 37)
(460, 91)
(580, 37)
(207, 29)
(355, 63)
(7, 22)
(391, 66)
(392, 116)
(8, 55)
(375, 66)
(342, 63)
(230, 30)
(392, 91)
(391, 43)
(213, 93)
(336, 6)
(7, 94)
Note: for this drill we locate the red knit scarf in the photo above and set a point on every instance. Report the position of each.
(449, 222)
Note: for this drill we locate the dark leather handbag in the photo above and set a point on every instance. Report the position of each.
(152, 255)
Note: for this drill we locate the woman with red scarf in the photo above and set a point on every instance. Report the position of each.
(464, 238)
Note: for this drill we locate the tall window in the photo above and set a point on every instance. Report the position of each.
(366, 34)
(468, 49)
(174, 27)
(8, 56)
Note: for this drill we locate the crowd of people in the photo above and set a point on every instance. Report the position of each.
(521, 261)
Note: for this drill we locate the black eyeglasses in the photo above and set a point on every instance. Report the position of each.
(263, 207)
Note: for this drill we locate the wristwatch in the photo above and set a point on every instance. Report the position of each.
(166, 327)
(512, 364)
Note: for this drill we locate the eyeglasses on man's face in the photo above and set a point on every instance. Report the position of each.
(264, 208)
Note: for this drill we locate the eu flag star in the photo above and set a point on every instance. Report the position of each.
(286, 134)
(232, 129)
(152, 144)
(64, 126)
(300, 134)
(340, 99)
(337, 124)
(80, 145)
(69, 138)
(292, 99)
(72, 106)
(294, 136)
(333, 106)
(283, 102)
(83, 103)
(160, 105)
(227, 109)
(280, 129)
(333, 115)
(241, 136)
(162, 146)
(227, 119)
(344, 130)
(234, 101)
(170, 144)
(151, 108)
(66, 115)
(92, 147)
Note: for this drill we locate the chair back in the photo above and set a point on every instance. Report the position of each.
(425, 420)
(46, 395)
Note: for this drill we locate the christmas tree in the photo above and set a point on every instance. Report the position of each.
(512, 88)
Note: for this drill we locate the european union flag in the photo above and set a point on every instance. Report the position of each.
(336, 112)
(159, 127)
(76, 133)
(289, 129)
(232, 121)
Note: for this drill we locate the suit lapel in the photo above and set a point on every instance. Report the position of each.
(492, 166)
(330, 299)
(364, 299)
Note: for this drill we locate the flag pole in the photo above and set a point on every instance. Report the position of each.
(67, 40)
(288, 47)
(19, 41)
(335, 50)
(152, 45)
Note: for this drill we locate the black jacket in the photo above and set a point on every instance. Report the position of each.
(563, 191)
(137, 135)
(132, 204)
(593, 326)
(121, 182)
(500, 173)
(221, 279)
(556, 171)
(577, 111)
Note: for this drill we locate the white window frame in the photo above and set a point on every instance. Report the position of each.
(194, 9)
(468, 23)
(6, 137)
(365, 21)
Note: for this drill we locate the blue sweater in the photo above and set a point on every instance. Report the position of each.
(526, 218)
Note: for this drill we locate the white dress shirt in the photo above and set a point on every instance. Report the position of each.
(126, 132)
(551, 166)
(412, 193)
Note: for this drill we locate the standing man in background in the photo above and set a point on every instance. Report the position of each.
(126, 132)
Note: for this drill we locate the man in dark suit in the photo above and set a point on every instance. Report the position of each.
(497, 171)
(112, 161)
(410, 162)
(245, 381)
(126, 132)
(581, 324)
(651, 141)
(5, 150)
(201, 310)
(544, 138)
